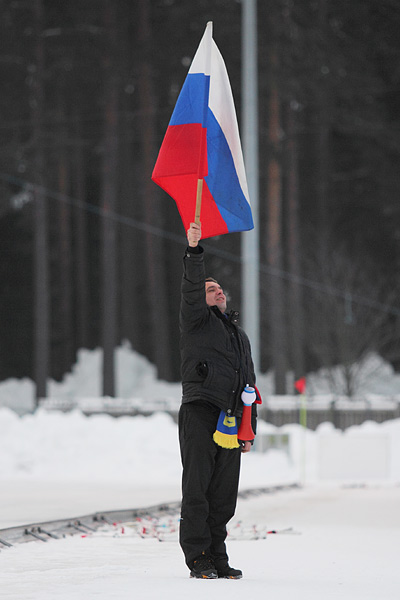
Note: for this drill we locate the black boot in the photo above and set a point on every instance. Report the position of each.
(203, 568)
(227, 572)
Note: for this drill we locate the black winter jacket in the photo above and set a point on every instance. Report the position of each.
(215, 351)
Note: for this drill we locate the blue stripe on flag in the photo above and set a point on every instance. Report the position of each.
(189, 107)
(222, 179)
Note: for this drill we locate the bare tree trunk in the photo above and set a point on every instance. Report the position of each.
(322, 141)
(134, 324)
(132, 269)
(154, 247)
(274, 239)
(296, 317)
(41, 286)
(65, 324)
(109, 200)
(81, 256)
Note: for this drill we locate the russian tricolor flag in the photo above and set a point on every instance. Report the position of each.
(201, 156)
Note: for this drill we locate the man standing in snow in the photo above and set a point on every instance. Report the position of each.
(216, 367)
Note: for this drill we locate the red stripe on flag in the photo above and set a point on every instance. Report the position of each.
(176, 172)
(185, 197)
(179, 152)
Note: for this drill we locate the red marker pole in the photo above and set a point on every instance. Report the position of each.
(300, 386)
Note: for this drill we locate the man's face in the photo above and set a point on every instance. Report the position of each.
(215, 296)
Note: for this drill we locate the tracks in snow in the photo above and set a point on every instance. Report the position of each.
(94, 522)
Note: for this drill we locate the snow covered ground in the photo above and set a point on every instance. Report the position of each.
(347, 549)
(344, 522)
(344, 541)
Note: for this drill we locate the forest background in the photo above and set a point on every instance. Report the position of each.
(91, 248)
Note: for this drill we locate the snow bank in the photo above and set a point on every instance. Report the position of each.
(73, 447)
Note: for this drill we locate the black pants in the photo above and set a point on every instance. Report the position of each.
(209, 483)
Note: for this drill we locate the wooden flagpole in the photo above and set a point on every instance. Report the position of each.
(198, 201)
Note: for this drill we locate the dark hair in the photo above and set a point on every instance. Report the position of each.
(211, 279)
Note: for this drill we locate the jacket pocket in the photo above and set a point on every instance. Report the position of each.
(209, 371)
(202, 369)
